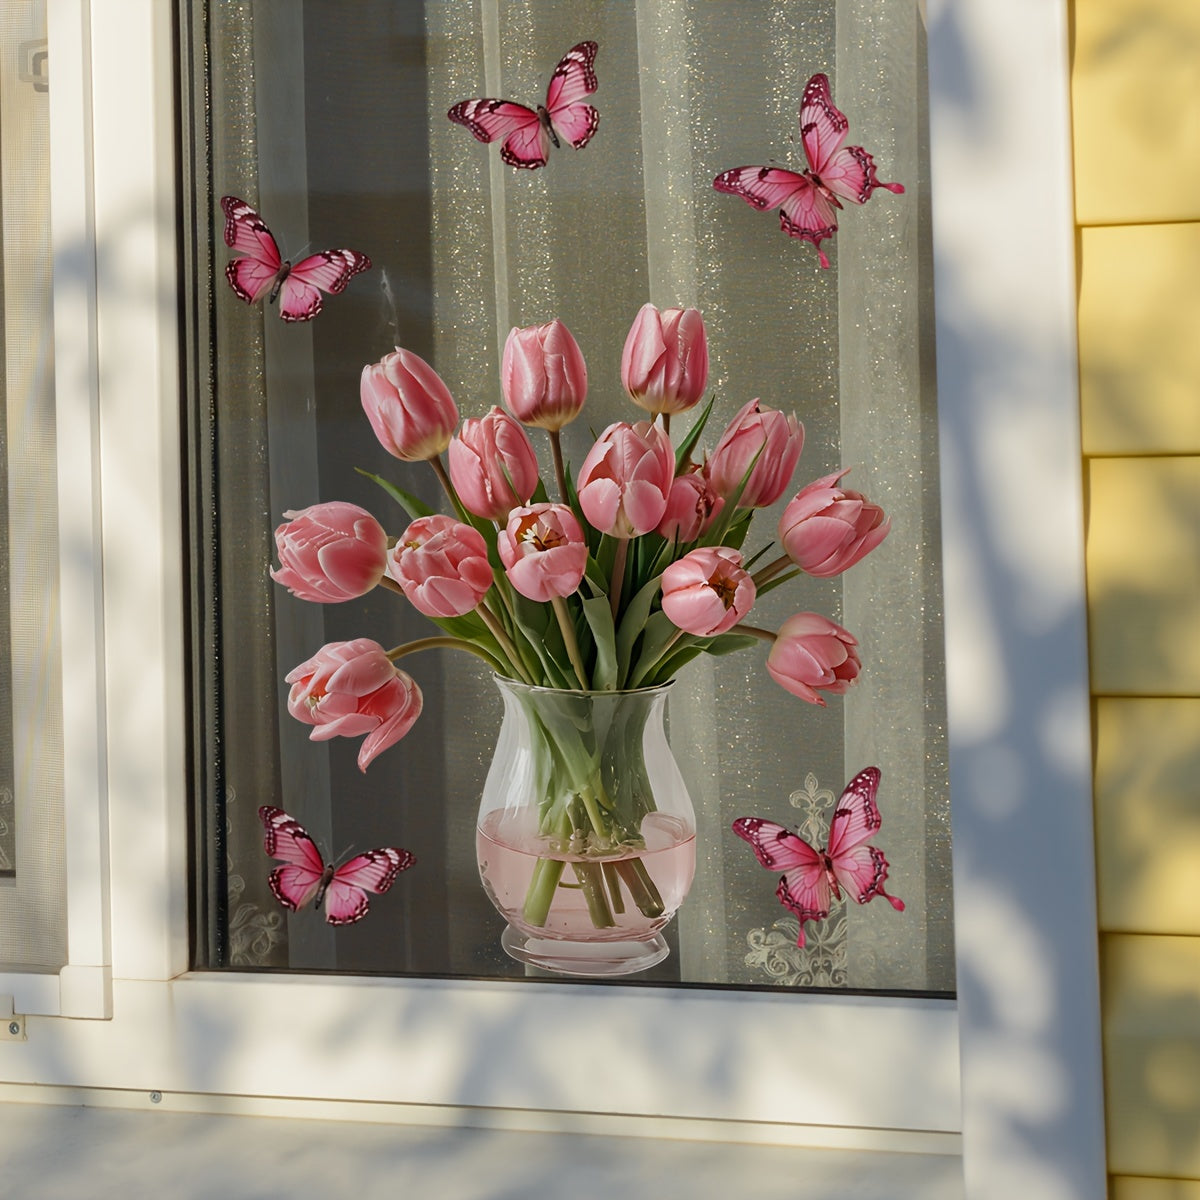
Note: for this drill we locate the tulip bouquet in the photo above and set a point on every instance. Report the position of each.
(609, 583)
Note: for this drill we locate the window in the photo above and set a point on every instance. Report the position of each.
(868, 1071)
(463, 248)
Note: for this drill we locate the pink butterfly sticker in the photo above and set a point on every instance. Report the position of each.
(263, 272)
(807, 200)
(306, 876)
(527, 134)
(812, 878)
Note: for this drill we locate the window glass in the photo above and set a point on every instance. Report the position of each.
(331, 121)
(32, 899)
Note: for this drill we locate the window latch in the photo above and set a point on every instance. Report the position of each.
(35, 65)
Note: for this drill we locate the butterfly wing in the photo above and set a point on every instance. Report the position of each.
(572, 80)
(804, 210)
(253, 276)
(524, 138)
(859, 868)
(300, 878)
(330, 271)
(804, 885)
(262, 272)
(375, 871)
(847, 171)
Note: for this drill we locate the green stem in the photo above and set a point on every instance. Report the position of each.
(641, 887)
(560, 472)
(591, 882)
(528, 660)
(763, 635)
(648, 670)
(568, 631)
(612, 880)
(771, 570)
(444, 642)
(618, 576)
(447, 486)
(497, 631)
(547, 872)
(595, 817)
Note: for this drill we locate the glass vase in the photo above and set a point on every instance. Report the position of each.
(586, 840)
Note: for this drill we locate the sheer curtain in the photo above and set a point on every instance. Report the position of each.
(465, 247)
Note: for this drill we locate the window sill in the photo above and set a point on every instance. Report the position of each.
(55, 1149)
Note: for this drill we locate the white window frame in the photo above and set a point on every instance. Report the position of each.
(826, 1070)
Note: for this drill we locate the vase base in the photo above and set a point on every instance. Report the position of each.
(596, 960)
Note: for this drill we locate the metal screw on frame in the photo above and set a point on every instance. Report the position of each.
(14, 1027)
(156, 1097)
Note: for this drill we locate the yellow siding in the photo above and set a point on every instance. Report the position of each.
(1152, 1054)
(1147, 815)
(1126, 1187)
(1139, 338)
(1136, 86)
(1136, 107)
(1143, 565)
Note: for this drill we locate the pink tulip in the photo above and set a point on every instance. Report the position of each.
(625, 479)
(330, 552)
(826, 529)
(492, 465)
(409, 407)
(543, 375)
(350, 688)
(707, 591)
(664, 366)
(765, 438)
(543, 551)
(812, 653)
(692, 506)
(442, 566)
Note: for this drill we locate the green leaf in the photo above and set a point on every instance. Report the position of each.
(540, 629)
(637, 611)
(729, 643)
(658, 634)
(598, 612)
(407, 501)
(725, 643)
(684, 451)
(672, 665)
(774, 583)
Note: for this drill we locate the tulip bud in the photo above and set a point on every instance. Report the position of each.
(442, 566)
(765, 438)
(664, 366)
(625, 479)
(543, 375)
(827, 529)
(409, 407)
(707, 591)
(692, 506)
(330, 552)
(492, 465)
(543, 551)
(813, 653)
(350, 688)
